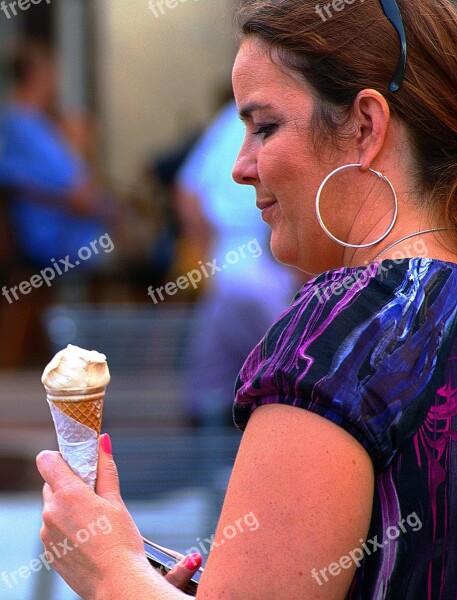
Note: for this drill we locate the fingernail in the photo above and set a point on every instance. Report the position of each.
(193, 561)
(105, 443)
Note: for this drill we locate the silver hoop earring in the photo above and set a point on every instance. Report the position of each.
(330, 235)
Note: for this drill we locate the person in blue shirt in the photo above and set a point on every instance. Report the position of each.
(54, 205)
(246, 289)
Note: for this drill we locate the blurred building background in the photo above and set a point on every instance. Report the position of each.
(138, 84)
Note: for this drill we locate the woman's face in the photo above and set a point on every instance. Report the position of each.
(278, 159)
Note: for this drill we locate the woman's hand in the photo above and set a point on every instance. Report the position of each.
(90, 538)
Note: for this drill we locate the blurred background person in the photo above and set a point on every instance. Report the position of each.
(173, 247)
(55, 203)
(51, 203)
(242, 299)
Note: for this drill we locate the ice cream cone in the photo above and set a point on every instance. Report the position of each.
(75, 382)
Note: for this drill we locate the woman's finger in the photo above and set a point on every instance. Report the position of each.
(182, 572)
(107, 475)
(55, 471)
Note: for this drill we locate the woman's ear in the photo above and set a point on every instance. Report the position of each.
(372, 115)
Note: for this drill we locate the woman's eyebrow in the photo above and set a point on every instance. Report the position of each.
(247, 110)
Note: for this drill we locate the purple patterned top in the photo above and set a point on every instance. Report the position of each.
(374, 350)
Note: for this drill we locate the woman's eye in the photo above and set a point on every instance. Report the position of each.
(265, 130)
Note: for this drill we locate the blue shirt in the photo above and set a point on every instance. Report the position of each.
(231, 210)
(34, 156)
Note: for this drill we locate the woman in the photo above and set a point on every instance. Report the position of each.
(355, 495)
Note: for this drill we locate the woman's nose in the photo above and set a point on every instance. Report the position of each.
(245, 169)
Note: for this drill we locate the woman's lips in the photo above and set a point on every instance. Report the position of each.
(266, 206)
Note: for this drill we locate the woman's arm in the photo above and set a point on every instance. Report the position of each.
(309, 485)
(299, 500)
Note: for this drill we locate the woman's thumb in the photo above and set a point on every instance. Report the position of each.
(107, 477)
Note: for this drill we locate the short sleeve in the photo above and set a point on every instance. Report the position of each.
(365, 348)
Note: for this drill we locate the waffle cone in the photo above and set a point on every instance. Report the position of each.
(88, 412)
(84, 408)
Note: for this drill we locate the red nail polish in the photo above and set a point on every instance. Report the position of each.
(105, 442)
(193, 561)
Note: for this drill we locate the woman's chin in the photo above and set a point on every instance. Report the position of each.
(282, 251)
(287, 254)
